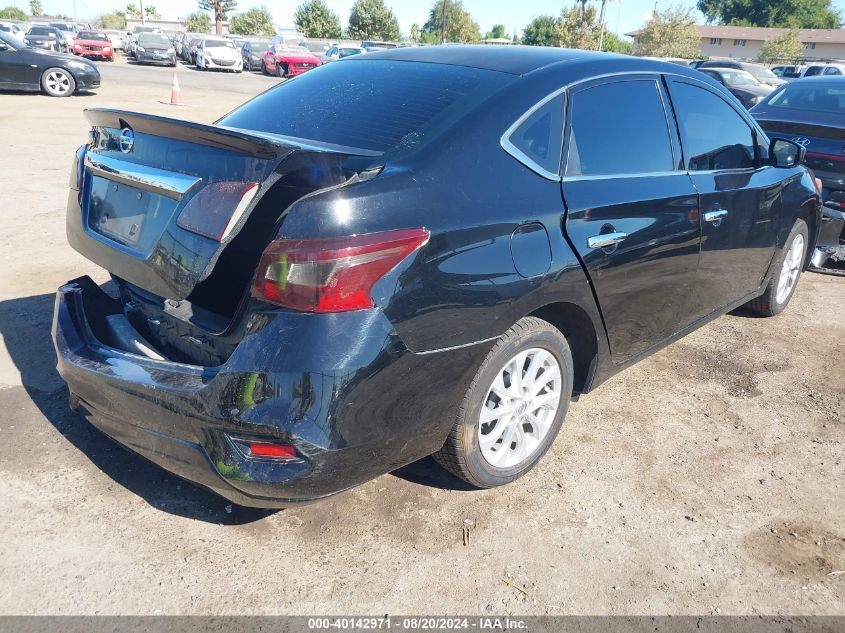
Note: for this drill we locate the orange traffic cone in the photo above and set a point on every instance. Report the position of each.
(175, 91)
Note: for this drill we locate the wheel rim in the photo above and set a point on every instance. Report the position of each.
(519, 408)
(58, 82)
(791, 268)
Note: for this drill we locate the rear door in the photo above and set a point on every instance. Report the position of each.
(739, 193)
(631, 213)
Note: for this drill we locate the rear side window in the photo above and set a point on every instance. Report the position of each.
(538, 140)
(714, 135)
(373, 105)
(813, 71)
(832, 70)
(606, 138)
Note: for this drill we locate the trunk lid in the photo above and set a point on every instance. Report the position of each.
(159, 200)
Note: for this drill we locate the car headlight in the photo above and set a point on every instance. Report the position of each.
(140, 49)
(106, 49)
(171, 51)
(79, 65)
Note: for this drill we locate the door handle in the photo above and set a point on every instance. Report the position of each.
(715, 216)
(605, 240)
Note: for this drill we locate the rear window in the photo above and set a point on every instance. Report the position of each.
(374, 105)
(819, 97)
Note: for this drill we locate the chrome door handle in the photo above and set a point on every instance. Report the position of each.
(605, 240)
(715, 216)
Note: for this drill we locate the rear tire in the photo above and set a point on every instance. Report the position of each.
(787, 267)
(58, 82)
(514, 407)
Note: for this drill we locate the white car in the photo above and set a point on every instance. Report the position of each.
(12, 29)
(823, 69)
(339, 52)
(116, 38)
(218, 53)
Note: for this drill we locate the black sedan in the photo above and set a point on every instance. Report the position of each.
(740, 84)
(252, 54)
(58, 75)
(155, 48)
(811, 112)
(48, 38)
(413, 251)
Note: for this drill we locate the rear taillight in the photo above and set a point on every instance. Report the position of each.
(216, 209)
(335, 274)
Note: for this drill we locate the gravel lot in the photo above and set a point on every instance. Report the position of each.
(707, 479)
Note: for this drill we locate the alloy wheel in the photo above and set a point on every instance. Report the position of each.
(519, 408)
(790, 269)
(58, 82)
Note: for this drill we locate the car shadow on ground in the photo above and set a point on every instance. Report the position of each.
(25, 329)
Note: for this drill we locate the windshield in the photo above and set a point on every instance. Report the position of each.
(153, 39)
(146, 29)
(219, 44)
(762, 74)
(259, 47)
(818, 97)
(41, 30)
(347, 52)
(374, 105)
(90, 35)
(738, 78)
(62, 27)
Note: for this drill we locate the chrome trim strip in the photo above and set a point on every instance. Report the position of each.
(648, 174)
(167, 183)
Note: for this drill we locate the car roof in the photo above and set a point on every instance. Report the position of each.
(515, 60)
(819, 79)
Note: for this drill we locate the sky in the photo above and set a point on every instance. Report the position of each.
(622, 15)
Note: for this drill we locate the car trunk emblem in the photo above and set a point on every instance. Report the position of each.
(127, 140)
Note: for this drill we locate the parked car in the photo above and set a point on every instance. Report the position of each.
(12, 28)
(44, 37)
(154, 48)
(217, 53)
(811, 113)
(289, 39)
(116, 39)
(93, 44)
(373, 45)
(339, 52)
(131, 40)
(740, 84)
(787, 72)
(758, 71)
(252, 53)
(191, 50)
(815, 70)
(285, 62)
(358, 271)
(26, 68)
(68, 31)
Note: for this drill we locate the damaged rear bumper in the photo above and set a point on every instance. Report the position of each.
(829, 254)
(341, 389)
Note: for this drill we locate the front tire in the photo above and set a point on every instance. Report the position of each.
(787, 268)
(514, 407)
(57, 82)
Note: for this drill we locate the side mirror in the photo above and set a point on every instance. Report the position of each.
(3, 46)
(786, 153)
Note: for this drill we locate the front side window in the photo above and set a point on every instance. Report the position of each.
(604, 139)
(714, 135)
(539, 138)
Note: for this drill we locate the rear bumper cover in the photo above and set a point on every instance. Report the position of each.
(341, 388)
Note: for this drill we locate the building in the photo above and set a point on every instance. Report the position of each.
(745, 42)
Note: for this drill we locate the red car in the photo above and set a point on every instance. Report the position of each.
(287, 62)
(93, 44)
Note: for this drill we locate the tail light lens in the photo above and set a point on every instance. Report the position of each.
(216, 208)
(331, 275)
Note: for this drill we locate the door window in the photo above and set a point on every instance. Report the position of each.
(714, 135)
(618, 128)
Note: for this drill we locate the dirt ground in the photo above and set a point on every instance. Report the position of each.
(708, 479)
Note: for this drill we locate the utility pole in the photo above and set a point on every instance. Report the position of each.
(143, 17)
(601, 21)
(443, 25)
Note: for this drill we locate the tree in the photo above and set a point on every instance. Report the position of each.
(415, 32)
(198, 22)
(786, 47)
(219, 8)
(615, 44)
(497, 32)
(670, 33)
(373, 20)
(256, 21)
(541, 31)
(133, 11)
(460, 27)
(152, 13)
(35, 8)
(113, 21)
(579, 28)
(12, 13)
(314, 18)
(791, 14)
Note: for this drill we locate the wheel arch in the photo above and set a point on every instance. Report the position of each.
(580, 332)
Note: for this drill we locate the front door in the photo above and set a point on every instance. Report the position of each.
(739, 194)
(631, 214)
(13, 66)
